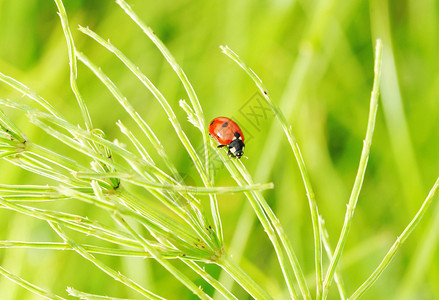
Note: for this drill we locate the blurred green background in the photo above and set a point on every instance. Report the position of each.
(316, 59)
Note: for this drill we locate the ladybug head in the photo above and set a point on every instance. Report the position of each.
(236, 148)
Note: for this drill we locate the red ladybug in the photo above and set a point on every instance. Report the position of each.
(227, 133)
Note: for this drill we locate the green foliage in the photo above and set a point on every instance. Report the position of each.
(104, 151)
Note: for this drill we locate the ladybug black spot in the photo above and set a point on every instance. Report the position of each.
(225, 124)
(212, 122)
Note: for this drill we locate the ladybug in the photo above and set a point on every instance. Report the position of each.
(227, 133)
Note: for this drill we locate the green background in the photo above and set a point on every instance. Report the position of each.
(316, 59)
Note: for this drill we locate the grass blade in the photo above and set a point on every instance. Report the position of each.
(361, 171)
(399, 241)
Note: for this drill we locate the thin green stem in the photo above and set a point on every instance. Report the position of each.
(172, 118)
(88, 296)
(157, 94)
(285, 242)
(155, 254)
(395, 111)
(72, 62)
(116, 275)
(199, 117)
(29, 93)
(29, 286)
(361, 171)
(177, 273)
(210, 279)
(131, 158)
(89, 248)
(26, 162)
(151, 218)
(130, 110)
(243, 279)
(140, 122)
(307, 182)
(11, 128)
(55, 158)
(137, 144)
(328, 249)
(398, 243)
(270, 224)
(176, 67)
(74, 222)
(200, 190)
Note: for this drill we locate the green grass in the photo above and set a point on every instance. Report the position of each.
(104, 150)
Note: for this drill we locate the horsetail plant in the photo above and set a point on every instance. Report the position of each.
(183, 233)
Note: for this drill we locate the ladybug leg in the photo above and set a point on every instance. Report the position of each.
(220, 146)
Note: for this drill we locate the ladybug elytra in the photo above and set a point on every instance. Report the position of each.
(227, 133)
